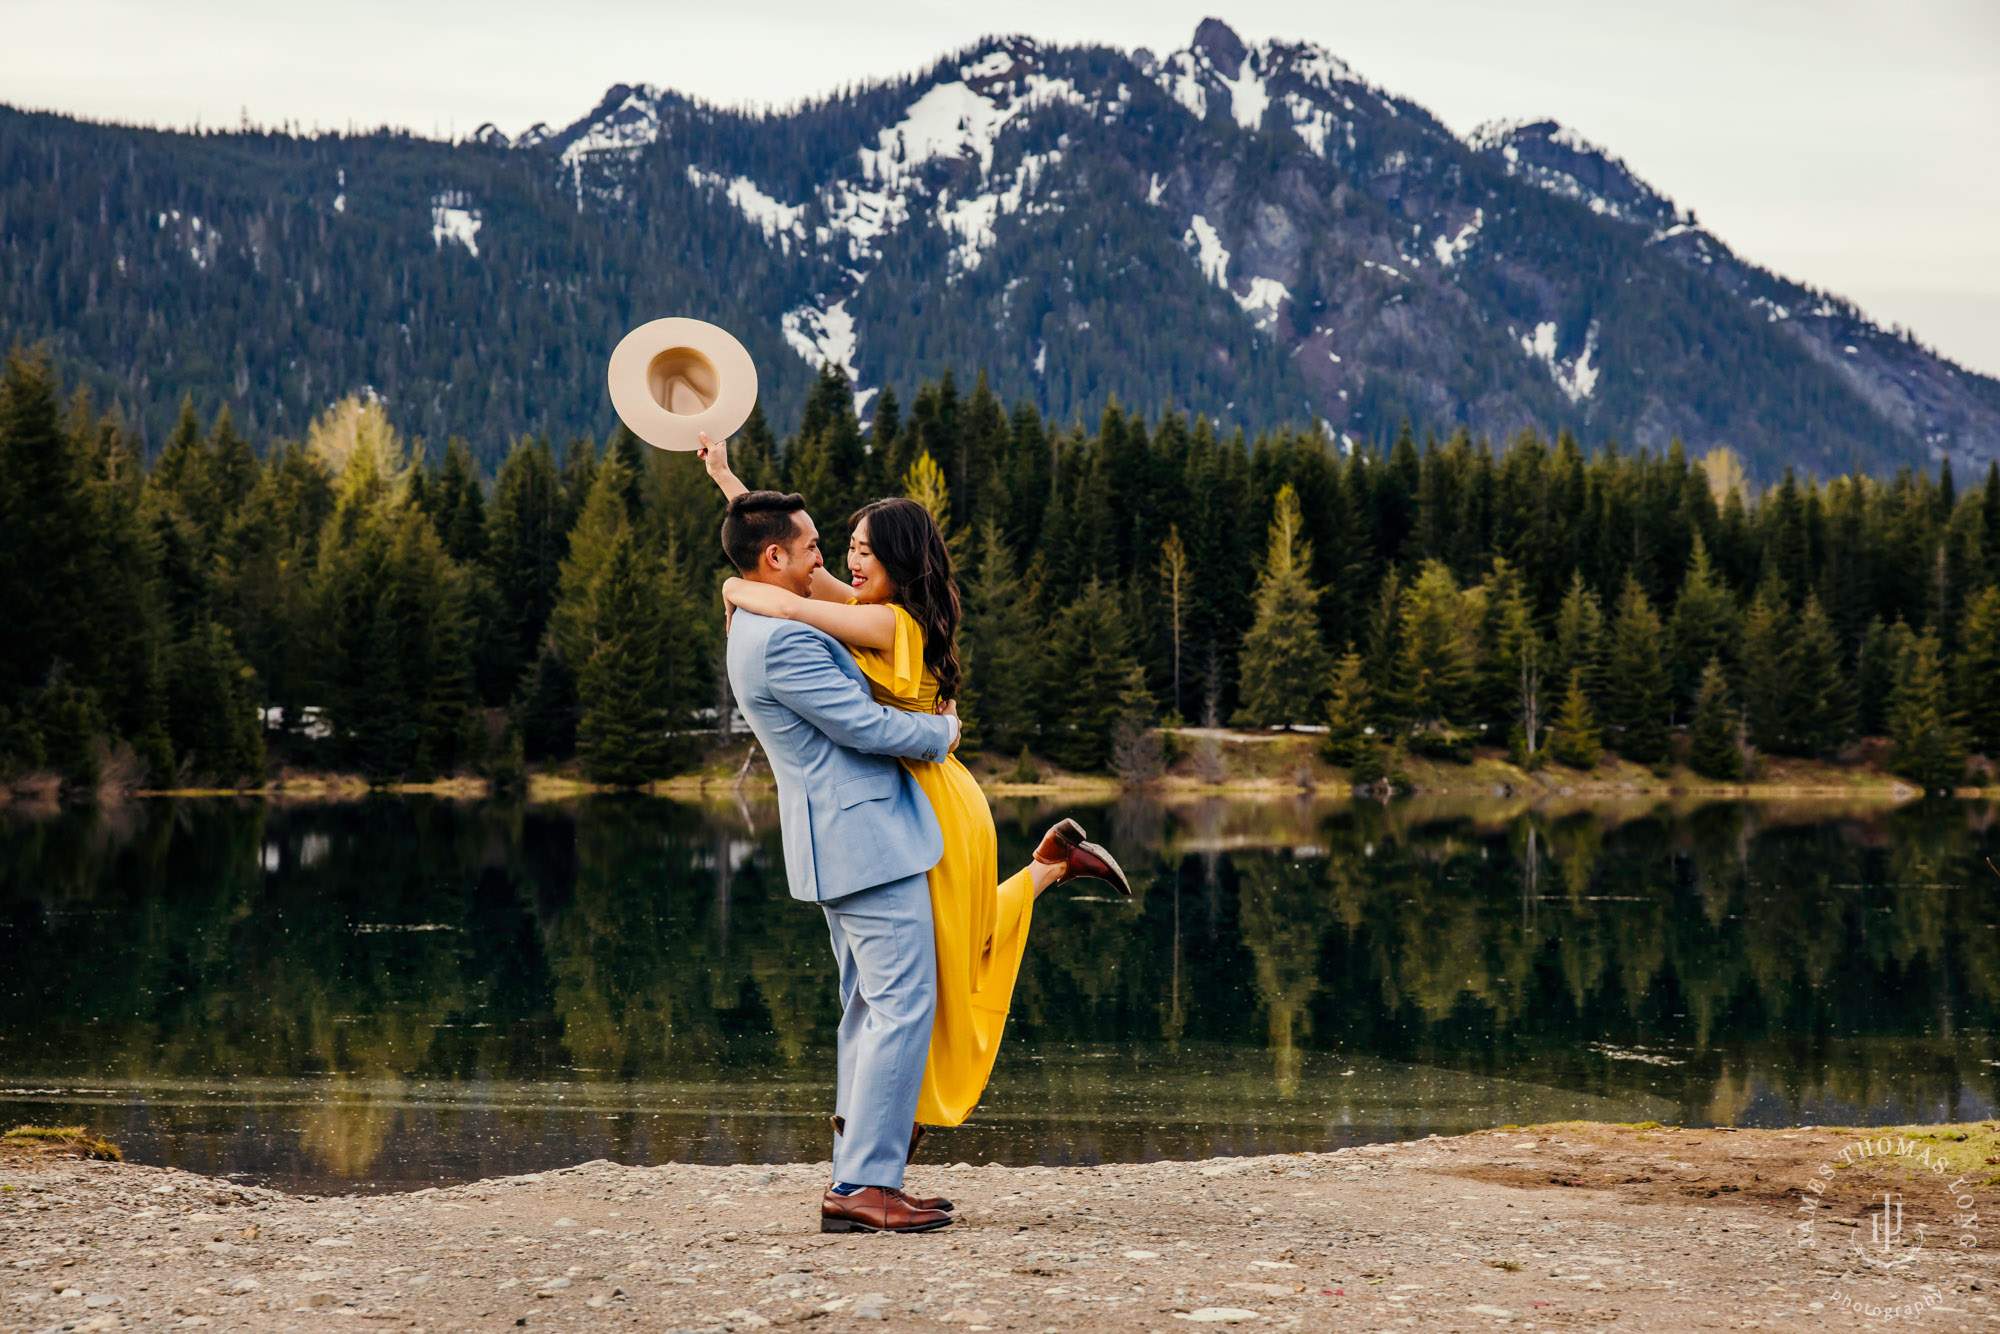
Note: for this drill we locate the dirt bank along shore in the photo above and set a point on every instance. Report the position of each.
(1575, 1226)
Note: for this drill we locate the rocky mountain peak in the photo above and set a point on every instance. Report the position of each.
(1554, 156)
(1218, 41)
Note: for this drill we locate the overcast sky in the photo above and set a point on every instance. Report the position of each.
(1851, 145)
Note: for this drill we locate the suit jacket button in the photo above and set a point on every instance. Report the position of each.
(930, 754)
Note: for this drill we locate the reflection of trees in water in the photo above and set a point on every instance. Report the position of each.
(1788, 962)
(1285, 912)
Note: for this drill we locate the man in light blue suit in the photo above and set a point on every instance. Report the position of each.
(859, 838)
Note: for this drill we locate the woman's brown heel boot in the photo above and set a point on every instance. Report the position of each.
(1066, 844)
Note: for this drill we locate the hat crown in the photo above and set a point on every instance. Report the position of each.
(682, 381)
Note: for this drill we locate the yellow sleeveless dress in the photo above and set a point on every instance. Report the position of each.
(981, 930)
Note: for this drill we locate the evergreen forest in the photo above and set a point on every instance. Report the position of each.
(359, 601)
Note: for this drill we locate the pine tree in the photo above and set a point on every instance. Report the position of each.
(1704, 623)
(1284, 663)
(1136, 753)
(1989, 522)
(526, 540)
(1176, 587)
(1712, 749)
(1000, 648)
(1579, 637)
(461, 505)
(1637, 689)
(1875, 675)
(1574, 738)
(1978, 671)
(1508, 644)
(545, 708)
(623, 734)
(753, 451)
(1818, 710)
(591, 543)
(212, 707)
(47, 575)
(1927, 744)
(1087, 669)
(1350, 729)
(1765, 667)
(924, 483)
(1435, 661)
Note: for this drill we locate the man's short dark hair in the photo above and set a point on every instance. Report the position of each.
(755, 520)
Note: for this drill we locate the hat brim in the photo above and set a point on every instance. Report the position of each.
(633, 390)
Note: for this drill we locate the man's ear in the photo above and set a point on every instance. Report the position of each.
(773, 557)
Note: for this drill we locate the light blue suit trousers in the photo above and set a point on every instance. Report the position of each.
(887, 952)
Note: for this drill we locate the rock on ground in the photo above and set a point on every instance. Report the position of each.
(1554, 1227)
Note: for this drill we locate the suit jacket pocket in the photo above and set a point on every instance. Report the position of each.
(868, 787)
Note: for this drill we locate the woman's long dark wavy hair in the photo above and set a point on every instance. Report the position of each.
(904, 537)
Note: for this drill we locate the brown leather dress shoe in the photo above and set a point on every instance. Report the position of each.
(917, 1132)
(877, 1209)
(1080, 858)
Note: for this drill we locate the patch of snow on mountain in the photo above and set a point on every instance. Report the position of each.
(1316, 65)
(631, 125)
(1042, 357)
(1495, 135)
(1248, 97)
(535, 134)
(779, 221)
(989, 65)
(971, 219)
(1582, 379)
(452, 219)
(1153, 189)
(1578, 378)
(1178, 75)
(862, 216)
(1263, 300)
(951, 120)
(1209, 254)
(1314, 124)
(1772, 310)
(821, 336)
(1575, 143)
(1449, 252)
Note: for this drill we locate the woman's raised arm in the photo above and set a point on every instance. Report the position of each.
(855, 625)
(714, 456)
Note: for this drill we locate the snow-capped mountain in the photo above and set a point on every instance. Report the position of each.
(1252, 231)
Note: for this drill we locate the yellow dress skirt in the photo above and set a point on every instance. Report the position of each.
(981, 924)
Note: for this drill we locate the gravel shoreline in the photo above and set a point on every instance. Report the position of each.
(1575, 1226)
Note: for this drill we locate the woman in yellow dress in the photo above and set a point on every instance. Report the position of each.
(899, 616)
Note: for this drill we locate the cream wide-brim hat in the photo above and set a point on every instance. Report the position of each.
(673, 379)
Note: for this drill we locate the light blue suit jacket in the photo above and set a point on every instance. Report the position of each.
(851, 817)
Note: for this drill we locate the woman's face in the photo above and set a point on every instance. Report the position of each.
(871, 582)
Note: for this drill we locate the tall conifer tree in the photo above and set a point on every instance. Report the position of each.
(1284, 664)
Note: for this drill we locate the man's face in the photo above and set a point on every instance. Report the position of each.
(792, 564)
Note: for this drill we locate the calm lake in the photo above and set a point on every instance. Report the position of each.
(401, 991)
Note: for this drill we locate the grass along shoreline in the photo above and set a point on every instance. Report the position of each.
(1206, 763)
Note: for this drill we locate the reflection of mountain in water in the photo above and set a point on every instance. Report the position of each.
(397, 990)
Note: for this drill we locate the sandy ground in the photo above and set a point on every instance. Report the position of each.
(1555, 1227)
